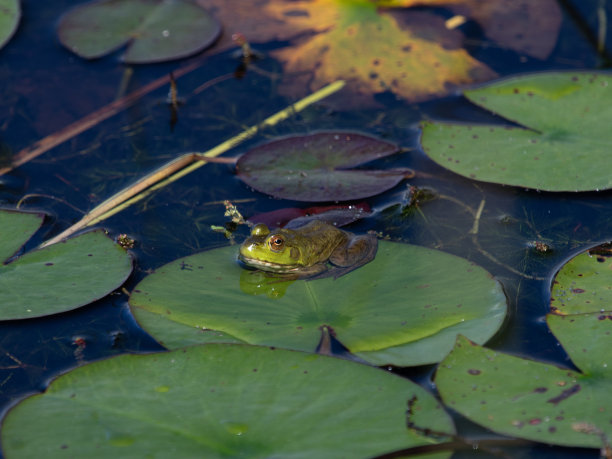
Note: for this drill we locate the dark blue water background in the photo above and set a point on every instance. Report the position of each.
(44, 88)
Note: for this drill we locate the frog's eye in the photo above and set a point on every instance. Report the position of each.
(276, 243)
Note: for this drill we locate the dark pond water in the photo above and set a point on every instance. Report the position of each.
(45, 88)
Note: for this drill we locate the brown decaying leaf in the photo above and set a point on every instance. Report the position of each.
(525, 26)
(250, 20)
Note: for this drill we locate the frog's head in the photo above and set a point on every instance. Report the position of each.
(270, 251)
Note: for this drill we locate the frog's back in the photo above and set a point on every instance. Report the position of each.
(317, 240)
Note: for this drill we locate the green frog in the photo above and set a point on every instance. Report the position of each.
(314, 250)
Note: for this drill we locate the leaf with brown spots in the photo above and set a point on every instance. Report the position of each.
(584, 283)
(534, 400)
(410, 53)
(556, 138)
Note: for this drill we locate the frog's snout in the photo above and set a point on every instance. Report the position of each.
(248, 249)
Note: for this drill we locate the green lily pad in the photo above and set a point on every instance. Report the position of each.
(17, 228)
(584, 284)
(57, 278)
(539, 401)
(174, 335)
(534, 400)
(561, 142)
(10, 13)
(220, 401)
(154, 30)
(317, 167)
(405, 307)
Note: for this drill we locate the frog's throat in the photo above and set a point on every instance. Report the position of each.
(269, 266)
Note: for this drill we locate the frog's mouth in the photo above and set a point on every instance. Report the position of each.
(268, 265)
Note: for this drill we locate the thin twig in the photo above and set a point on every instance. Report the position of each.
(501, 263)
(182, 166)
(24, 198)
(214, 81)
(91, 120)
(474, 229)
(458, 202)
(473, 232)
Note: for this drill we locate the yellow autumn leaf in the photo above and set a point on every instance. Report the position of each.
(411, 53)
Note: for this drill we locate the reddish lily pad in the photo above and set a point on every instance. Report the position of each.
(154, 30)
(293, 217)
(317, 167)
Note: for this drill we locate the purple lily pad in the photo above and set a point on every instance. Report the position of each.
(316, 167)
(292, 217)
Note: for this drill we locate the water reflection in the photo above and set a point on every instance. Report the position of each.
(255, 282)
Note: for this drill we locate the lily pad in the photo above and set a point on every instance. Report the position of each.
(584, 284)
(222, 401)
(10, 13)
(539, 401)
(317, 167)
(337, 215)
(57, 278)
(17, 228)
(404, 308)
(561, 141)
(154, 30)
(533, 400)
(177, 335)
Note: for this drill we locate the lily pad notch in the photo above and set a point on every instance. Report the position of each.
(380, 313)
(557, 138)
(57, 278)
